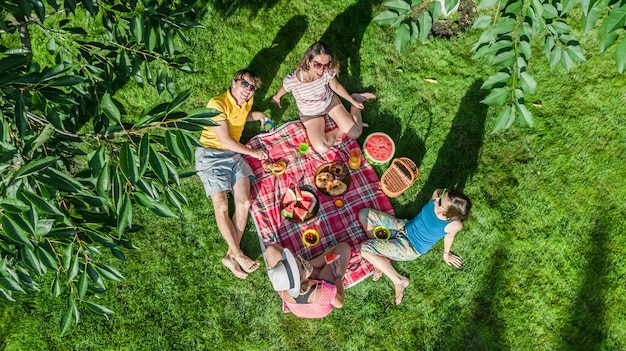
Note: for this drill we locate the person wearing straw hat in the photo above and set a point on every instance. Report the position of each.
(309, 289)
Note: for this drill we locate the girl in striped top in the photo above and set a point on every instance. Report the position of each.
(315, 87)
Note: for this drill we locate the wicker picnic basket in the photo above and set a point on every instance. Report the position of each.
(399, 176)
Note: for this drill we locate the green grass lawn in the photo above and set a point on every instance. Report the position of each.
(543, 251)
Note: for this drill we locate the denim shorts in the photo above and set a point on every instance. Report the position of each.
(220, 169)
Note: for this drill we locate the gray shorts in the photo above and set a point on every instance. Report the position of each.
(219, 169)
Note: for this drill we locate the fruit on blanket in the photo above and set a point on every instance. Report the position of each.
(379, 148)
(331, 257)
(310, 237)
(298, 205)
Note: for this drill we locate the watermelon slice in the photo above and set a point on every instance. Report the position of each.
(331, 257)
(300, 213)
(288, 198)
(288, 210)
(298, 193)
(379, 148)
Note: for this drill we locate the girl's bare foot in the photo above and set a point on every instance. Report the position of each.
(377, 274)
(247, 264)
(404, 282)
(234, 267)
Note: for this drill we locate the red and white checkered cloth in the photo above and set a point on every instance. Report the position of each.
(335, 224)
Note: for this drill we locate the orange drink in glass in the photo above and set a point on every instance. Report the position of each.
(354, 162)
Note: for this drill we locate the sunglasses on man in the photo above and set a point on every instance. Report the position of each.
(247, 85)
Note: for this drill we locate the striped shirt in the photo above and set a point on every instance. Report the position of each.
(313, 97)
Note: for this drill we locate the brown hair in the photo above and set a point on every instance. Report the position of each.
(245, 72)
(460, 205)
(318, 49)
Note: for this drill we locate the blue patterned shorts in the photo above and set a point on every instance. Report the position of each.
(398, 247)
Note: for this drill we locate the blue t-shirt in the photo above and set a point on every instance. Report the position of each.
(425, 229)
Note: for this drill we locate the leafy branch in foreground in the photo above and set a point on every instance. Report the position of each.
(507, 37)
(73, 164)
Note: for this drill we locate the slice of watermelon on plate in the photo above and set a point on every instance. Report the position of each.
(331, 257)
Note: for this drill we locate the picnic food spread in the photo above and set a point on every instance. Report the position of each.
(299, 205)
(276, 168)
(310, 237)
(332, 178)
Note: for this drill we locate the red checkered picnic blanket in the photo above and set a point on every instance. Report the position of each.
(335, 224)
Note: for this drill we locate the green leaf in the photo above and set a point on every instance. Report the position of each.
(402, 36)
(104, 180)
(67, 255)
(505, 25)
(51, 46)
(505, 119)
(607, 38)
(555, 57)
(143, 200)
(83, 285)
(549, 11)
(500, 77)
(124, 214)
(43, 227)
(65, 81)
(68, 316)
(11, 284)
(73, 271)
(616, 18)
(620, 56)
(6, 295)
(158, 166)
(98, 309)
(576, 53)
(43, 137)
(128, 163)
(110, 109)
(170, 86)
(46, 258)
(398, 5)
(60, 181)
(172, 198)
(162, 210)
(136, 27)
(482, 22)
(15, 232)
(486, 3)
(525, 50)
(30, 260)
(504, 59)
(568, 5)
(172, 145)
(55, 287)
(527, 82)
(13, 205)
(559, 27)
(108, 272)
(526, 117)
(35, 166)
(185, 144)
(589, 20)
(566, 61)
(21, 120)
(178, 100)
(425, 24)
(497, 96)
(144, 154)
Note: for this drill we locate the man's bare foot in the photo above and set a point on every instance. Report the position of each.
(377, 274)
(247, 265)
(234, 267)
(360, 97)
(404, 282)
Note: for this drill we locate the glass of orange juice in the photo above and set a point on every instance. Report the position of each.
(354, 162)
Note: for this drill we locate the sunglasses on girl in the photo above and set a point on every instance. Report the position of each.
(247, 85)
(318, 65)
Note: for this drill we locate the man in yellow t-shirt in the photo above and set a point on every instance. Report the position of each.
(222, 168)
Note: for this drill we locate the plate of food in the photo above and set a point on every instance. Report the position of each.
(299, 205)
(332, 179)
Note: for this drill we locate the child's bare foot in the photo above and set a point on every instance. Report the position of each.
(360, 97)
(247, 265)
(377, 274)
(404, 282)
(230, 263)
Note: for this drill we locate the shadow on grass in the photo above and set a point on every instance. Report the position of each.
(458, 156)
(344, 35)
(585, 328)
(228, 7)
(266, 64)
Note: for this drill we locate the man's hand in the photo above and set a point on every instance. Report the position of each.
(452, 260)
(276, 101)
(259, 154)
